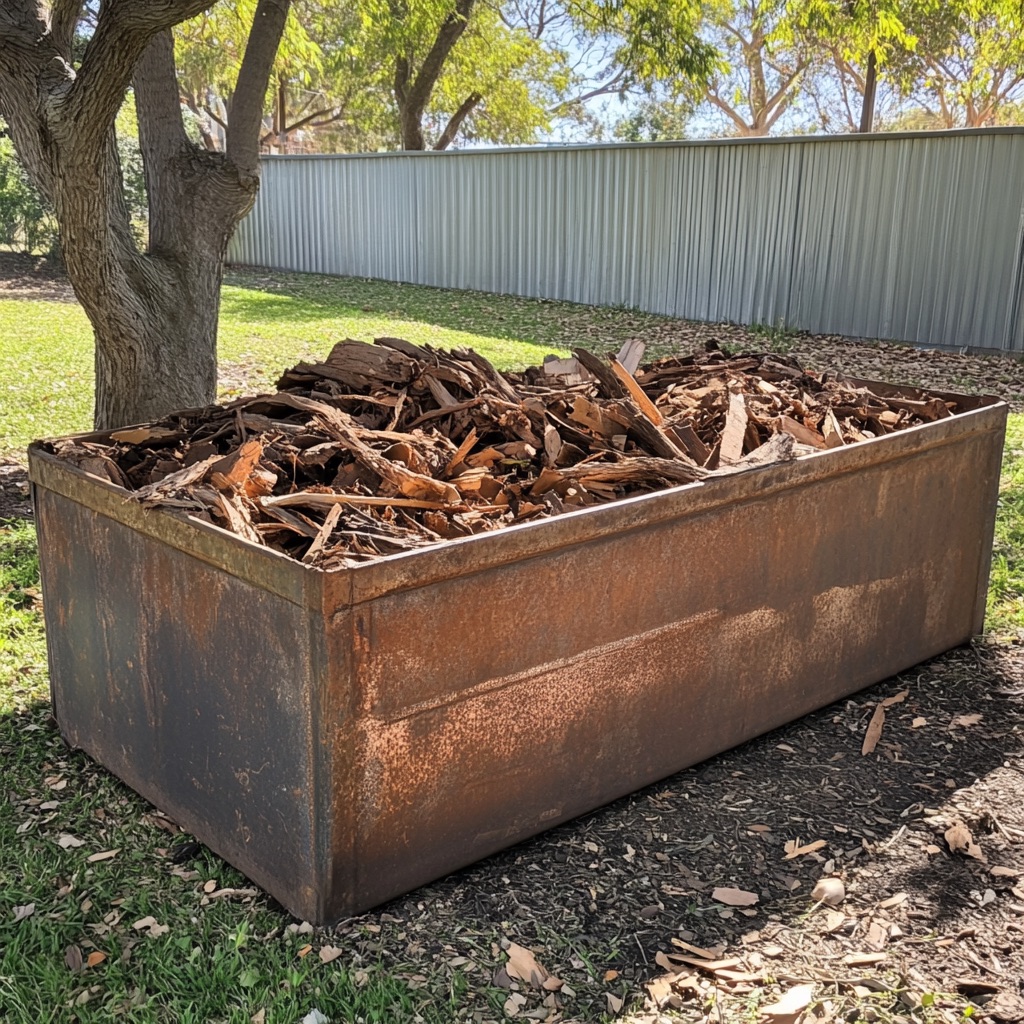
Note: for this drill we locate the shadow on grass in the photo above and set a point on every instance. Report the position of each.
(541, 322)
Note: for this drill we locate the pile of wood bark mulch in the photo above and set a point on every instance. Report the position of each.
(389, 447)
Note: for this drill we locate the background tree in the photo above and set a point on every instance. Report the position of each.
(764, 56)
(655, 119)
(967, 67)
(153, 312)
(863, 38)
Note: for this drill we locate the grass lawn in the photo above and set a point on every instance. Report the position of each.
(133, 936)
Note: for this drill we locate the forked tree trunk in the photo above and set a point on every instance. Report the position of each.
(154, 313)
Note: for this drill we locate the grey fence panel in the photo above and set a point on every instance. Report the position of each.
(916, 237)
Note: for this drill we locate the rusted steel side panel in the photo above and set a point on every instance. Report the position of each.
(498, 704)
(189, 684)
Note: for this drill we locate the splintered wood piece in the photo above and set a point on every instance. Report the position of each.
(641, 468)
(324, 534)
(555, 367)
(637, 393)
(235, 469)
(735, 430)
(600, 419)
(552, 444)
(152, 493)
(314, 499)
(832, 431)
(802, 433)
(237, 516)
(463, 450)
(686, 437)
(411, 484)
(608, 383)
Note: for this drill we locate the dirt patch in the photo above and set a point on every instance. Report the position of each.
(15, 502)
(33, 277)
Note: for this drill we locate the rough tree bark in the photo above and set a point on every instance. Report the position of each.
(154, 313)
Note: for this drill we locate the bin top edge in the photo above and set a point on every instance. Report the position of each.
(465, 555)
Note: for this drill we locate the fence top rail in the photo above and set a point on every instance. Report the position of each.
(777, 140)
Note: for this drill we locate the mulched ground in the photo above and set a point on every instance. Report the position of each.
(15, 502)
(607, 902)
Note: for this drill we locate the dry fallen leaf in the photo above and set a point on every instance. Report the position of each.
(97, 956)
(151, 927)
(25, 910)
(834, 920)
(1001, 872)
(660, 991)
(734, 897)
(106, 855)
(829, 891)
(614, 1003)
(259, 1017)
(965, 721)
(863, 959)
(66, 842)
(795, 1000)
(329, 953)
(792, 850)
(918, 722)
(874, 733)
(898, 699)
(893, 901)
(610, 976)
(708, 954)
(73, 958)
(513, 1004)
(522, 964)
(304, 951)
(960, 840)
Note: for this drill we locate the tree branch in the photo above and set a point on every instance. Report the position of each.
(123, 31)
(246, 114)
(614, 84)
(717, 101)
(162, 137)
(430, 70)
(451, 129)
(64, 15)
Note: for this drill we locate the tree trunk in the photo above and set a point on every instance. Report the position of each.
(412, 94)
(154, 314)
(867, 111)
(156, 349)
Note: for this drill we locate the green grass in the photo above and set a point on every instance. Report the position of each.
(1005, 612)
(227, 959)
(268, 324)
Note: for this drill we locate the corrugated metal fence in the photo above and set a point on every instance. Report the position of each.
(915, 237)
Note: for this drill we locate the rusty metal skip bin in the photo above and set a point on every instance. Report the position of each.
(342, 737)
